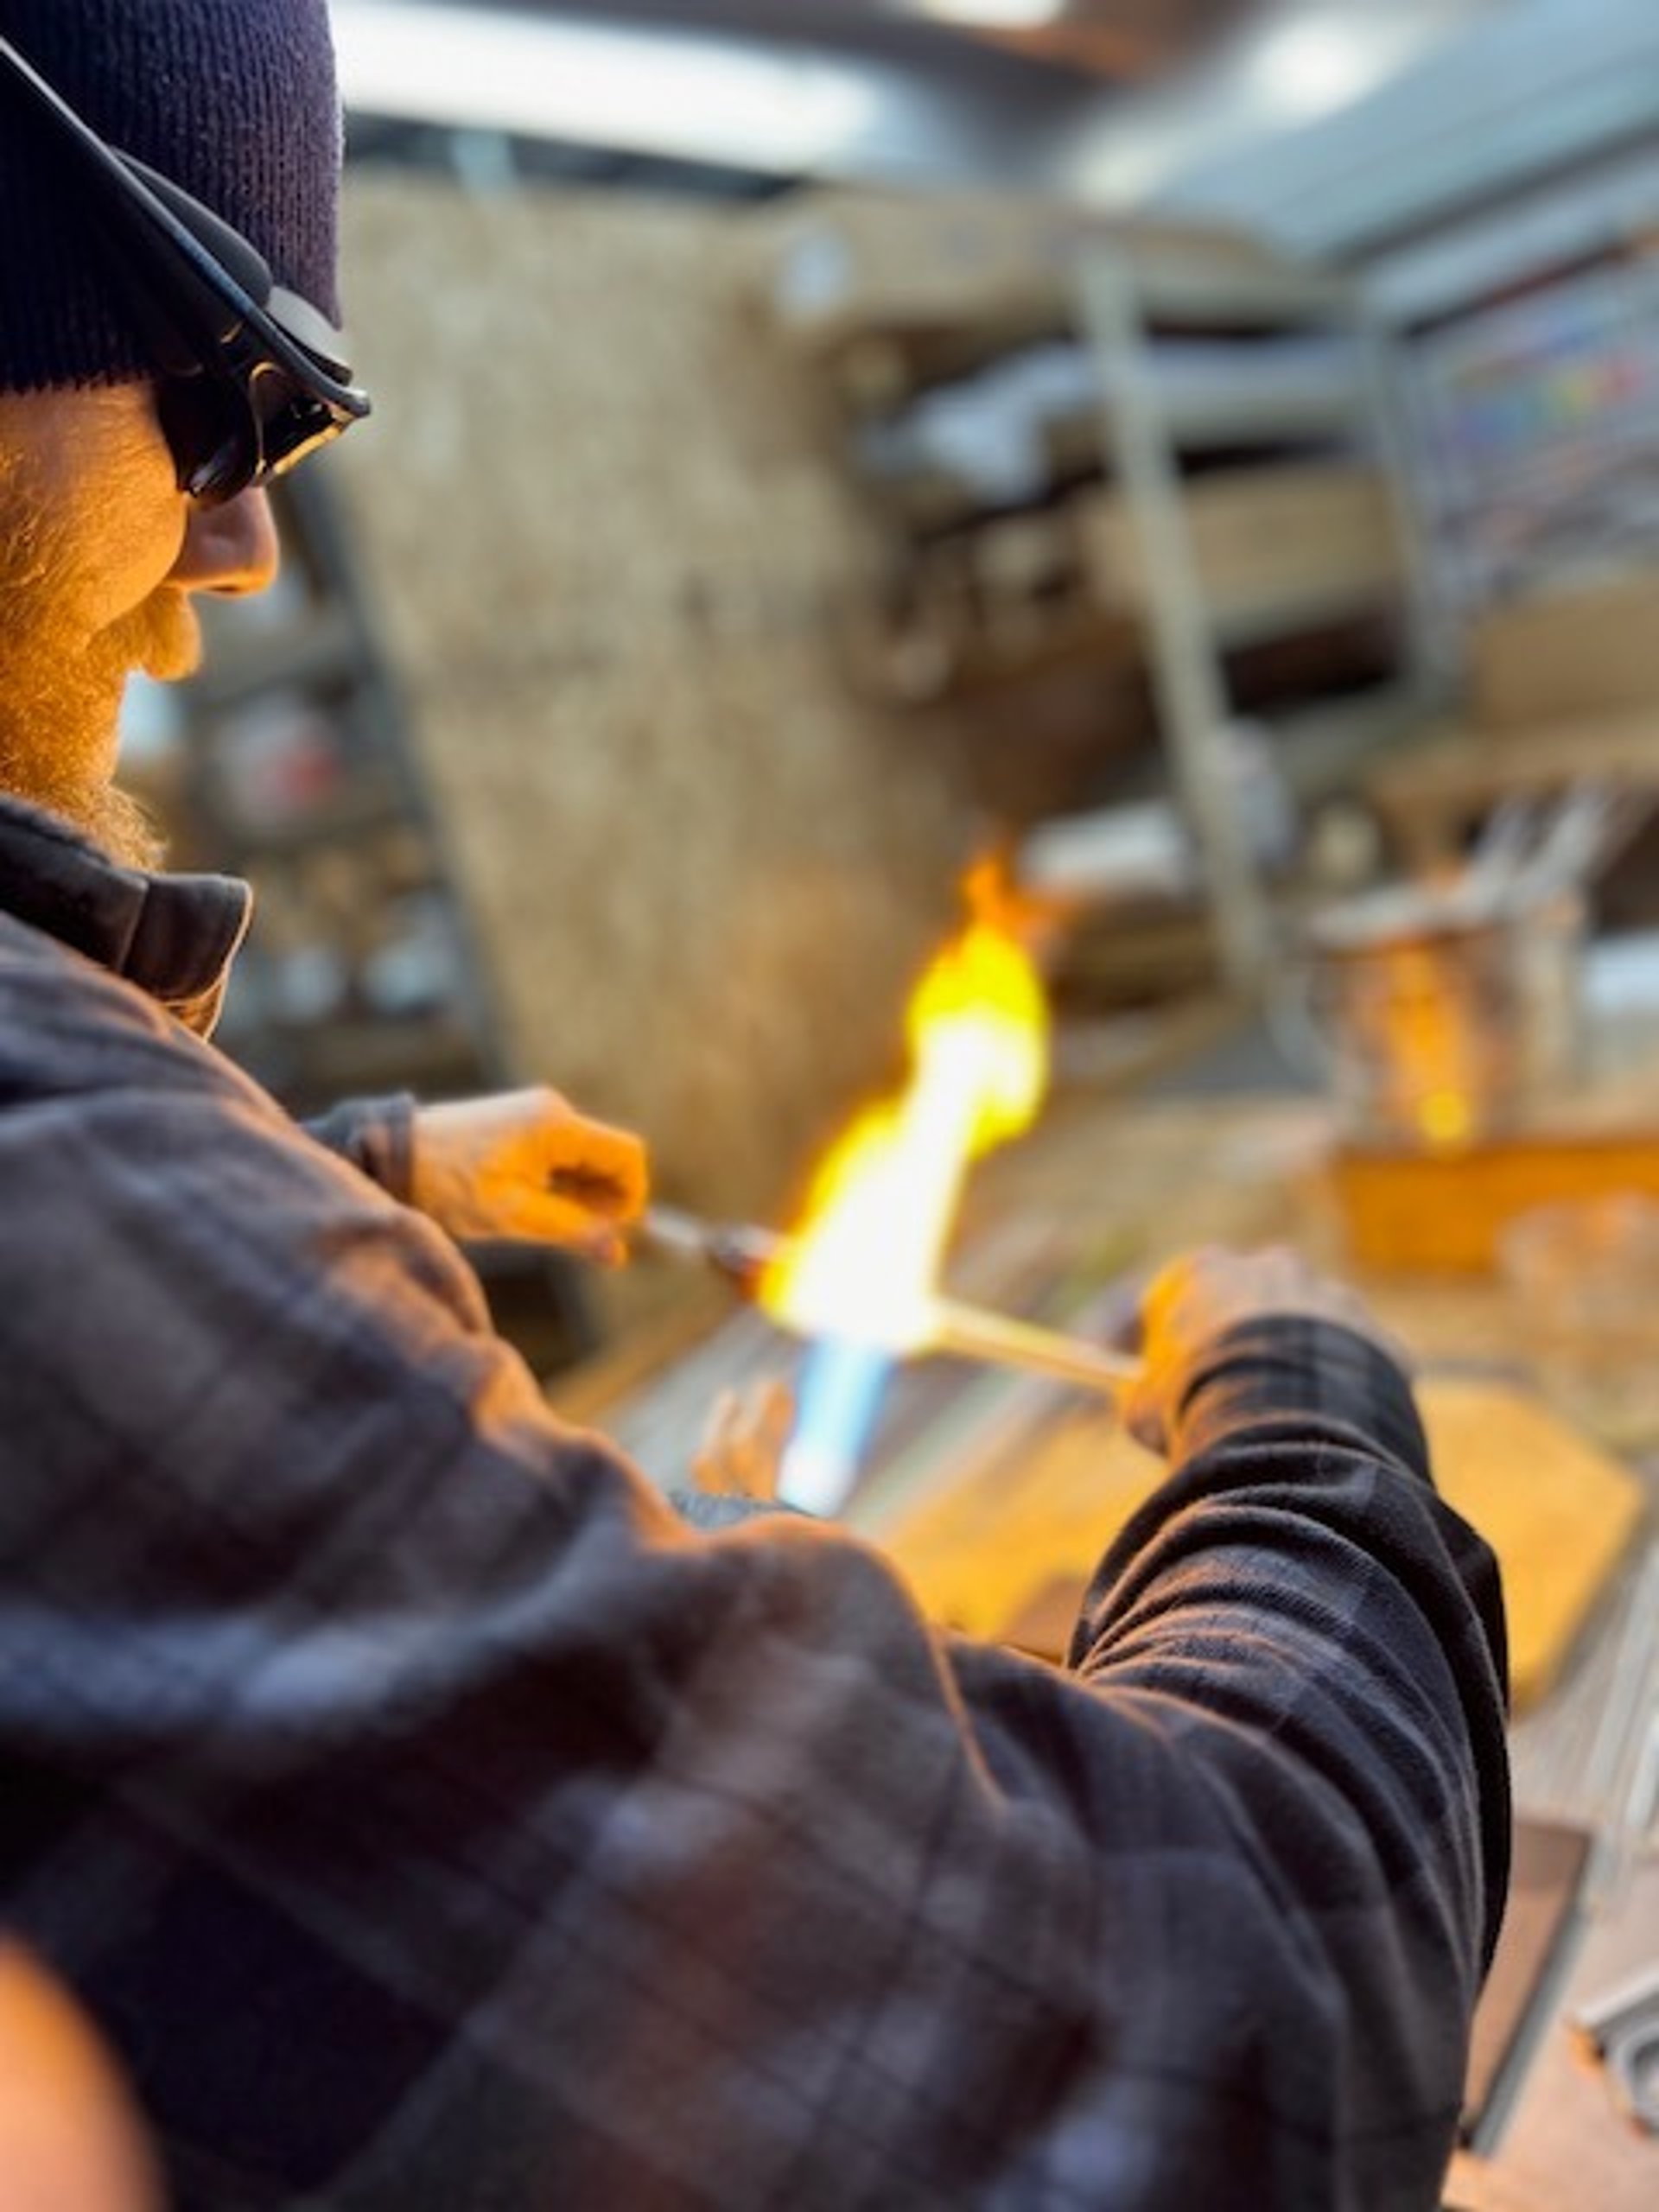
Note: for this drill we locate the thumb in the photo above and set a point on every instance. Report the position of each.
(1141, 1408)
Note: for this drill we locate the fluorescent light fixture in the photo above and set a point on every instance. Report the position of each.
(696, 97)
(1315, 63)
(1298, 65)
(994, 14)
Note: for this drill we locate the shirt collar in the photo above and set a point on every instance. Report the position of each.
(174, 935)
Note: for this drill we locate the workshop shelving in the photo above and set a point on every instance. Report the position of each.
(1126, 305)
(296, 772)
(1162, 448)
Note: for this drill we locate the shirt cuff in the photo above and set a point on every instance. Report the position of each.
(1292, 1365)
(378, 1136)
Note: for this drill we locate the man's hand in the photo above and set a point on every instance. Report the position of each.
(525, 1166)
(741, 1455)
(70, 2140)
(1197, 1299)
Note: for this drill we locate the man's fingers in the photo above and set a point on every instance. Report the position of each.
(743, 1440)
(591, 1193)
(544, 1217)
(1164, 1294)
(1141, 1411)
(774, 1419)
(709, 1465)
(598, 1167)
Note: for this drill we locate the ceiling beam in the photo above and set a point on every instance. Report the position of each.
(1532, 88)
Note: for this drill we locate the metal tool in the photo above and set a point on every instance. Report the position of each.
(741, 1254)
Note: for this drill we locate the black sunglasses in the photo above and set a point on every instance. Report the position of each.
(253, 378)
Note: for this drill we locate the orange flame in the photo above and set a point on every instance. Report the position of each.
(864, 1264)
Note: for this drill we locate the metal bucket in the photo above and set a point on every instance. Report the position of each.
(1440, 1026)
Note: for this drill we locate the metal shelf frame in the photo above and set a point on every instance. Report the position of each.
(1123, 310)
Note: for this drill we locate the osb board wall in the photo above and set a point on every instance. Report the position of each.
(607, 540)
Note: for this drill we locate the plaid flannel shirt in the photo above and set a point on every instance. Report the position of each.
(434, 1823)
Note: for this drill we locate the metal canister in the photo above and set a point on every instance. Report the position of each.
(1440, 1025)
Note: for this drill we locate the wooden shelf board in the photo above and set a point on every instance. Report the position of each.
(1173, 294)
(1236, 630)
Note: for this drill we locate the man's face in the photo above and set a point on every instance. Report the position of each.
(100, 554)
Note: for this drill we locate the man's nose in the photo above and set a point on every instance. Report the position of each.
(231, 549)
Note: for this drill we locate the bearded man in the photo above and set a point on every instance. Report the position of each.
(102, 554)
(421, 1813)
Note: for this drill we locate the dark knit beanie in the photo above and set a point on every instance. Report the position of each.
(233, 99)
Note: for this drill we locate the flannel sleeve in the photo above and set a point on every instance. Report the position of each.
(377, 1135)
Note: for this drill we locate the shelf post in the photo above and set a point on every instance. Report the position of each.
(1193, 704)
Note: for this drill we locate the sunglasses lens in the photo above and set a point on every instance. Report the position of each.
(225, 436)
(293, 422)
(213, 436)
